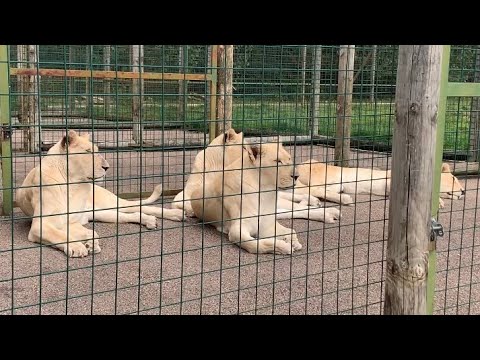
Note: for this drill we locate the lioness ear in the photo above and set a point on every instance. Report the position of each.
(255, 151)
(446, 168)
(86, 136)
(229, 135)
(69, 138)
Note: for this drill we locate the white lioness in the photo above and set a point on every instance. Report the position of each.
(328, 182)
(223, 151)
(47, 197)
(248, 212)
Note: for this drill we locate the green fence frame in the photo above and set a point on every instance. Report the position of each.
(5, 138)
(447, 89)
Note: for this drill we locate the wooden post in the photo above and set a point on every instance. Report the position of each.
(304, 67)
(22, 86)
(106, 82)
(137, 93)
(182, 84)
(316, 79)
(474, 153)
(88, 64)
(71, 59)
(213, 93)
(413, 154)
(346, 64)
(225, 88)
(33, 116)
(373, 74)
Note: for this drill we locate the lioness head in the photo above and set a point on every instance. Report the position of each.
(276, 164)
(450, 187)
(84, 161)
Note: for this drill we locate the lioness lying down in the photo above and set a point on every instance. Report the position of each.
(328, 182)
(248, 187)
(47, 197)
(223, 151)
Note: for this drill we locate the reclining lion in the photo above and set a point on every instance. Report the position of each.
(62, 183)
(242, 202)
(328, 182)
(223, 151)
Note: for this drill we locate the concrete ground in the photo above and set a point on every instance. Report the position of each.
(189, 268)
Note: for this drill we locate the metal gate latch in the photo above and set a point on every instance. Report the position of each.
(436, 230)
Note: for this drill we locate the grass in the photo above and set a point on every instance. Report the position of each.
(371, 122)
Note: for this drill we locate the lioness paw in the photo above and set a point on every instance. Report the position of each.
(441, 204)
(310, 200)
(76, 249)
(346, 199)
(150, 221)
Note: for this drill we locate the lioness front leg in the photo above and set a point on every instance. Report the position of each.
(69, 242)
(244, 239)
(288, 235)
(113, 216)
(305, 199)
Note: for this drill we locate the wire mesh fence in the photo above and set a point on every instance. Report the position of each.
(151, 110)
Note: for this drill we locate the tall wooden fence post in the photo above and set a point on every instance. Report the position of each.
(137, 93)
(106, 82)
(346, 64)
(33, 106)
(22, 86)
(317, 81)
(413, 156)
(225, 88)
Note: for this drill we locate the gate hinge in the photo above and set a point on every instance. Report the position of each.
(5, 132)
(436, 229)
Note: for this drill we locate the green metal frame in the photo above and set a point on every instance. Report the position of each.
(6, 147)
(447, 89)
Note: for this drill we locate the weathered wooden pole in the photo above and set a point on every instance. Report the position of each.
(137, 92)
(413, 156)
(33, 116)
(474, 151)
(304, 69)
(316, 80)
(182, 84)
(346, 64)
(225, 88)
(373, 73)
(22, 84)
(106, 82)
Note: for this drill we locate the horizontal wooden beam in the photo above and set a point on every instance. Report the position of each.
(99, 74)
(463, 89)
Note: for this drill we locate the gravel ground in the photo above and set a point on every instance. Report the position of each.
(188, 268)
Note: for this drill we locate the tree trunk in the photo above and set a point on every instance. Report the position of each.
(373, 74)
(225, 88)
(474, 153)
(413, 158)
(33, 116)
(346, 64)
(137, 93)
(316, 80)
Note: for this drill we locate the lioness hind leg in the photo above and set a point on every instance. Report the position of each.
(262, 246)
